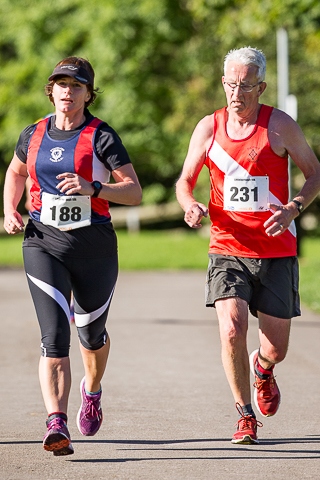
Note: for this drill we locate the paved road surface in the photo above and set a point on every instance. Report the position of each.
(168, 409)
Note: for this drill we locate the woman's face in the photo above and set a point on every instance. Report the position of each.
(69, 94)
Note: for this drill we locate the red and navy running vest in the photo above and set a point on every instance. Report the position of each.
(46, 158)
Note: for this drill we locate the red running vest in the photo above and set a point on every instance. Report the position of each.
(238, 233)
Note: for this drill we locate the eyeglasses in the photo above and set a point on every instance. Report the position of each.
(243, 88)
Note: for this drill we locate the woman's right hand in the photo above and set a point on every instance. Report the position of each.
(13, 223)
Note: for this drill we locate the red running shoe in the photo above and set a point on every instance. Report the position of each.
(246, 433)
(266, 394)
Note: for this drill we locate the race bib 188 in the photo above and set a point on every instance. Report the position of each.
(246, 194)
(66, 212)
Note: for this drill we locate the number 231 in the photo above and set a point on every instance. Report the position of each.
(243, 194)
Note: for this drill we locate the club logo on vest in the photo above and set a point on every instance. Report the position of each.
(253, 154)
(56, 154)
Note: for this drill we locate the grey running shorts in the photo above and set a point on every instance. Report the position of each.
(268, 285)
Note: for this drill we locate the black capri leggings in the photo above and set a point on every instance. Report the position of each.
(51, 281)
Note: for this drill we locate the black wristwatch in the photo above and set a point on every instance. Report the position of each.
(97, 186)
(299, 205)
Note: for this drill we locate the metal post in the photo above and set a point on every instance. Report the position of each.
(286, 102)
(283, 69)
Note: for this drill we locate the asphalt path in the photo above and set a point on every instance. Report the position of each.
(168, 409)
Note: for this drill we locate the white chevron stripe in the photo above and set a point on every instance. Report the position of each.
(83, 319)
(230, 167)
(53, 293)
(226, 163)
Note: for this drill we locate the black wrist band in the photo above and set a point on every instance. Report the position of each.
(97, 186)
(299, 205)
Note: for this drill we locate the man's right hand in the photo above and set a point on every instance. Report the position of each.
(194, 214)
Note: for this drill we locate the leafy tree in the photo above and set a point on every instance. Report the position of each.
(158, 65)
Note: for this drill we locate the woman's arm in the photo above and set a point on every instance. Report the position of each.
(126, 190)
(13, 189)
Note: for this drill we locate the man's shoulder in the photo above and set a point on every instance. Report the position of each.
(278, 115)
(282, 129)
(282, 123)
(205, 125)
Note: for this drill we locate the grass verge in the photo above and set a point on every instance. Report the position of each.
(179, 250)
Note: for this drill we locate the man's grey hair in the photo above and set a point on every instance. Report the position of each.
(248, 56)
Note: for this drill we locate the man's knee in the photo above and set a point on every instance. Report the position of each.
(273, 354)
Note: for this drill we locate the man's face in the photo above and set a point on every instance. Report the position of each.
(239, 100)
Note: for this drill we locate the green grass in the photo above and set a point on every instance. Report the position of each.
(173, 250)
(10, 251)
(310, 273)
(147, 250)
(178, 250)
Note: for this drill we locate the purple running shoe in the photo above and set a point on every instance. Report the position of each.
(89, 418)
(57, 438)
